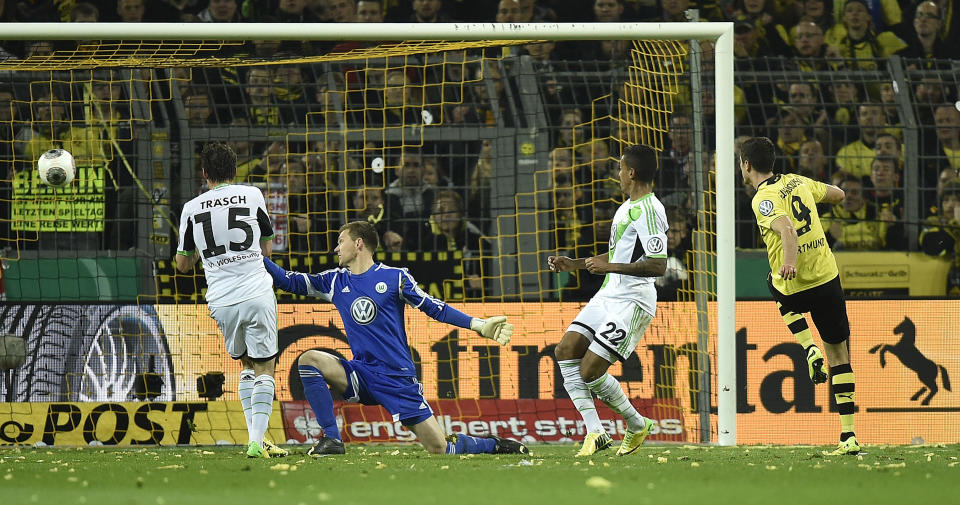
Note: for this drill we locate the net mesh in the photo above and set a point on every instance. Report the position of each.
(474, 163)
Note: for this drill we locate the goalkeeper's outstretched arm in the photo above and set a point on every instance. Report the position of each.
(495, 328)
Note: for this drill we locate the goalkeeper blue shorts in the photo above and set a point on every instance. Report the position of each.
(401, 395)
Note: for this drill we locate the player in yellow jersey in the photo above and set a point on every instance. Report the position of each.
(803, 272)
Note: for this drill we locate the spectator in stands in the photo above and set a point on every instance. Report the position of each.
(401, 101)
(947, 119)
(261, 107)
(673, 11)
(50, 120)
(766, 19)
(291, 97)
(295, 11)
(855, 39)
(855, 158)
(925, 40)
(678, 244)
(561, 167)
(340, 11)
(789, 136)
(940, 236)
(199, 107)
(804, 97)
(882, 14)
(304, 210)
(812, 162)
(479, 106)
(369, 11)
(887, 196)
(247, 161)
(676, 161)
(566, 217)
(889, 100)
(432, 176)
(447, 227)
(220, 11)
(809, 46)
(608, 11)
(888, 146)
(853, 224)
(479, 184)
(410, 195)
(842, 107)
(368, 204)
(429, 11)
(131, 11)
(571, 131)
(84, 12)
(819, 12)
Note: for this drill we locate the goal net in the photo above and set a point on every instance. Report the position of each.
(476, 155)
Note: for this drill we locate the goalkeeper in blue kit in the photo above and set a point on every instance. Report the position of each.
(370, 297)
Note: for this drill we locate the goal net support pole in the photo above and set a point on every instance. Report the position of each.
(722, 33)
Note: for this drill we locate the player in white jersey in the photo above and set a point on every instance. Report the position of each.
(609, 327)
(228, 228)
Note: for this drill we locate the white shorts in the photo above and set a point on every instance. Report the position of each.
(249, 327)
(614, 327)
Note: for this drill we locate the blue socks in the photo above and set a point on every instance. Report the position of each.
(318, 394)
(471, 445)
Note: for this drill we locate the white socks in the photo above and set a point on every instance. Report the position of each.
(608, 390)
(580, 395)
(245, 390)
(261, 406)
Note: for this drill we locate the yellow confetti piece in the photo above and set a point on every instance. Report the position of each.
(694, 464)
(280, 466)
(661, 459)
(598, 482)
(8, 476)
(380, 466)
(953, 464)
(72, 479)
(169, 467)
(54, 469)
(865, 467)
(208, 452)
(896, 465)
(771, 467)
(394, 453)
(445, 467)
(590, 462)
(604, 463)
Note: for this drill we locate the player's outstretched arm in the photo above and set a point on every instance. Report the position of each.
(291, 282)
(495, 328)
(566, 264)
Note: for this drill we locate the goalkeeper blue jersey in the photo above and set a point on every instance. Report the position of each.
(371, 305)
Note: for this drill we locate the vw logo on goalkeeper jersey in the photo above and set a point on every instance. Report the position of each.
(363, 310)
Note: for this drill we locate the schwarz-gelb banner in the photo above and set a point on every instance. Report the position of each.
(903, 355)
(128, 423)
(78, 207)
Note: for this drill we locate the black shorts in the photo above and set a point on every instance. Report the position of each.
(826, 306)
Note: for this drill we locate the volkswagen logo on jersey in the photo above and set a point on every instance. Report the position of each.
(765, 207)
(654, 246)
(363, 310)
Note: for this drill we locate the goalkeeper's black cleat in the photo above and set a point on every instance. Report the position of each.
(325, 447)
(508, 446)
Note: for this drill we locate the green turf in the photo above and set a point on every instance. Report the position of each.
(398, 475)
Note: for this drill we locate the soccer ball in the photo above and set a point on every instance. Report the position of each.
(56, 168)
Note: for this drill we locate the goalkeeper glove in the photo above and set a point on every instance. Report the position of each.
(495, 328)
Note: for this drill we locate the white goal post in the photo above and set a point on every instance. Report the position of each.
(722, 33)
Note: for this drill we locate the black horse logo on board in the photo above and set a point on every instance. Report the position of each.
(911, 357)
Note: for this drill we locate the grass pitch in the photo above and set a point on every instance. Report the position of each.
(397, 475)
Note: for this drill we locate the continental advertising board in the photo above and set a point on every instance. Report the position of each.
(903, 354)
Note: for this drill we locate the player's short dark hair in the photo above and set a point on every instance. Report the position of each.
(643, 160)
(219, 162)
(365, 231)
(760, 152)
